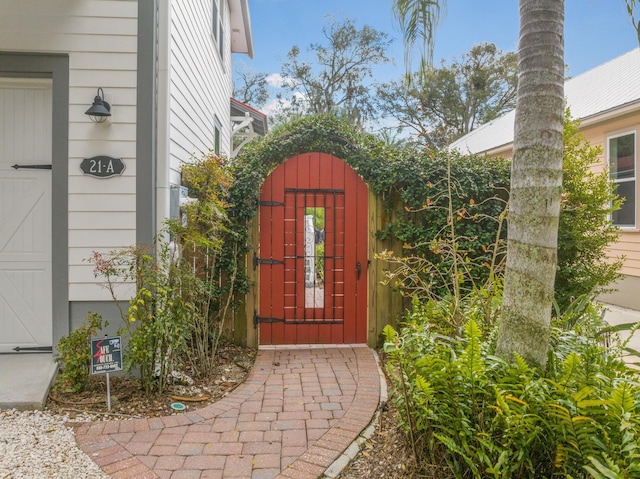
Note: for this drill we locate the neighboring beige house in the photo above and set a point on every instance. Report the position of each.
(606, 99)
(70, 186)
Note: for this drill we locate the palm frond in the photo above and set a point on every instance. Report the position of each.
(418, 21)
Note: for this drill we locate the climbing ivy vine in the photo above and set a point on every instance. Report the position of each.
(406, 179)
(426, 189)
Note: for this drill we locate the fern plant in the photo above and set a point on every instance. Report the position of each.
(487, 418)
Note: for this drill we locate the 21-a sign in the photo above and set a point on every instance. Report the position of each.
(106, 355)
(102, 166)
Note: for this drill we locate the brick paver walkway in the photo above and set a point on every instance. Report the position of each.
(294, 415)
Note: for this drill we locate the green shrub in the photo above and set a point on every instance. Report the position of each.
(585, 229)
(157, 314)
(74, 353)
(453, 211)
(445, 191)
(157, 317)
(210, 254)
(486, 418)
(183, 290)
(452, 267)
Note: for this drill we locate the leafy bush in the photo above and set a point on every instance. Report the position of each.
(210, 249)
(74, 353)
(486, 418)
(454, 266)
(585, 229)
(157, 315)
(453, 207)
(183, 289)
(453, 211)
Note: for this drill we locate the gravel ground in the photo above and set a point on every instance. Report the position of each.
(36, 444)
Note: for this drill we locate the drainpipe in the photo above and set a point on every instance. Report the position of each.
(162, 158)
(146, 126)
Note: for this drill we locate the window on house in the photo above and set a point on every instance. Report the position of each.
(217, 26)
(216, 135)
(622, 161)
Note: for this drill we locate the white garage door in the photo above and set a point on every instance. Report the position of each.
(25, 214)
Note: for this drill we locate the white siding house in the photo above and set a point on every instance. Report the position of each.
(165, 69)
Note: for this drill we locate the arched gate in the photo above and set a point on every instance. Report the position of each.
(313, 253)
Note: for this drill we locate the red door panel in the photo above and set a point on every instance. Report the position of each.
(313, 253)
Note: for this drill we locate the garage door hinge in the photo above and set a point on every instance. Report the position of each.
(32, 167)
(35, 349)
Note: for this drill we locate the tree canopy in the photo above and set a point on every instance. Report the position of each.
(250, 87)
(336, 81)
(445, 103)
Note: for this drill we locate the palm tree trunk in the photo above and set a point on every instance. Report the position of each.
(536, 183)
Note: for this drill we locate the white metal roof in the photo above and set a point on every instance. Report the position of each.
(605, 88)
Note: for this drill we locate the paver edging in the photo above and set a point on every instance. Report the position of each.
(355, 447)
(366, 384)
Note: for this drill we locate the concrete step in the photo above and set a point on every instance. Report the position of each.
(25, 380)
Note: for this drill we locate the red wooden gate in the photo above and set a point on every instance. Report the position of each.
(313, 253)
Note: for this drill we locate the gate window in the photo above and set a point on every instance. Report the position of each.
(314, 257)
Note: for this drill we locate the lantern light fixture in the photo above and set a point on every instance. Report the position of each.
(100, 109)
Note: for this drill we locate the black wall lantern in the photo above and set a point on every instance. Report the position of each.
(100, 110)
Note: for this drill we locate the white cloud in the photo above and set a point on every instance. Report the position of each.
(276, 80)
(272, 107)
(276, 105)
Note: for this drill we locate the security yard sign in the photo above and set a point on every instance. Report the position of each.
(106, 355)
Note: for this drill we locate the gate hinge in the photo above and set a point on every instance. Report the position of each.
(271, 203)
(259, 319)
(257, 261)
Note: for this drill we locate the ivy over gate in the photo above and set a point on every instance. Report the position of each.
(428, 190)
(321, 133)
(411, 181)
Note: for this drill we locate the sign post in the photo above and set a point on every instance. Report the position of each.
(106, 357)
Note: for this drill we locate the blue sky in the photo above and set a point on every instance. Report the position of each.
(595, 30)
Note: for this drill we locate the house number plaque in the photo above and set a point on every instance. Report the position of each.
(102, 166)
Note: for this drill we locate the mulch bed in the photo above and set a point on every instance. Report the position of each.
(128, 398)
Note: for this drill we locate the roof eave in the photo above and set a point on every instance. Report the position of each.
(257, 116)
(241, 33)
(617, 111)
